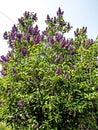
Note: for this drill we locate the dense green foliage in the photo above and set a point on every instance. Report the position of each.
(3, 126)
(49, 81)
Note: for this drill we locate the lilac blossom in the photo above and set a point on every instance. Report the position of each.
(64, 42)
(60, 12)
(21, 21)
(48, 18)
(91, 41)
(36, 126)
(26, 14)
(28, 37)
(14, 29)
(35, 30)
(20, 103)
(9, 53)
(45, 31)
(72, 52)
(55, 20)
(5, 35)
(84, 30)
(12, 36)
(14, 71)
(24, 51)
(42, 37)
(4, 59)
(10, 44)
(58, 70)
(58, 58)
(67, 75)
(68, 43)
(19, 36)
(58, 36)
(3, 72)
(36, 39)
(51, 40)
(34, 17)
(76, 32)
(68, 26)
(29, 29)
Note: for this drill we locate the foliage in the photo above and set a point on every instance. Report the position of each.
(3, 126)
(49, 81)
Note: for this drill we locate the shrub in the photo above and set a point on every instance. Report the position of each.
(49, 81)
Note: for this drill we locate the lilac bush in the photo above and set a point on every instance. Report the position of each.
(49, 81)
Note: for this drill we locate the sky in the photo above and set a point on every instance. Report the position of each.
(78, 12)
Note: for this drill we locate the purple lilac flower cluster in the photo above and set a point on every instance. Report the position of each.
(32, 35)
(57, 24)
(83, 30)
(87, 43)
(3, 72)
(20, 103)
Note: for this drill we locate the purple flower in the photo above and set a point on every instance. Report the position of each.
(58, 37)
(26, 14)
(68, 43)
(55, 20)
(35, 30)
(48, 17)
(58, 58)
(24, 51)
(11, 44)
(34, 17)
(45, 31)
(20, 103)
(12, 36)
(3, 72)
(84, 30)
(64, 42)
(9, 54)
(4, 59)
(28, 37)
(36, 126)
(1, 102)
(68, 26)
(36, 39)
(42, 37)
(51, 40)
(14, 71)
(14, 29)
(76, 32)
(67, 75)
(21, 21)
(60, 12)
(19, 36)
(58, 70)
(72, 52)
(91, 41)
(29, 29)
(5, 35)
